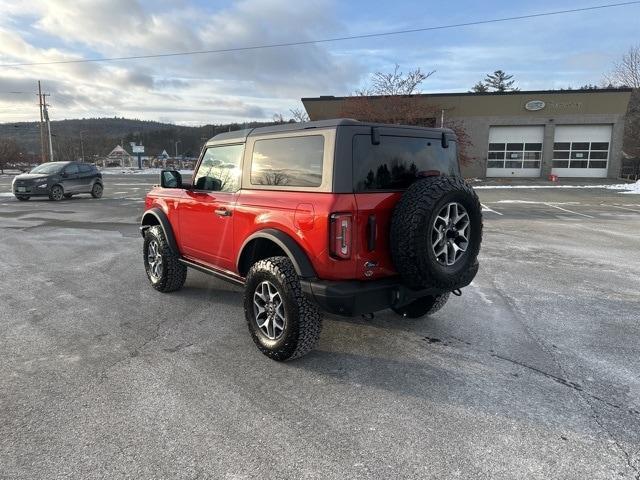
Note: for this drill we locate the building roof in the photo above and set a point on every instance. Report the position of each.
(324, 98)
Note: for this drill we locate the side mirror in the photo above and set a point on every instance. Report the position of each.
(64, 174)
(170, 179)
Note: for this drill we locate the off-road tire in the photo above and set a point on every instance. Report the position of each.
(411, 227)
(56, 193)
(23, 198)
(174, 273)
(96, 190)
(422, 306)
(303, 318)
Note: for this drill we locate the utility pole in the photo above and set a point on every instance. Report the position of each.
(42, 154)
(46, 117)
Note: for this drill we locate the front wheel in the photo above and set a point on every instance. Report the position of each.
(96, 191)
(283, 323)
(164, 270)
(422, 306)
(56, 193)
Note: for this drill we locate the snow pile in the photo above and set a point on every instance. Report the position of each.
(132, 171)
(632, 188)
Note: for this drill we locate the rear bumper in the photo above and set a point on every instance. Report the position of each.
(351, 298)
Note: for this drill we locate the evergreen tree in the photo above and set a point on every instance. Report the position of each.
(499, 81)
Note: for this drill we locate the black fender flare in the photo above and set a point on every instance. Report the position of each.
(294, 251)
(164, 223)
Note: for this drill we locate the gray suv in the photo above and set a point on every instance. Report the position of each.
(58, 180)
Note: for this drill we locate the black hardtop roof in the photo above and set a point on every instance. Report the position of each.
(241, 135)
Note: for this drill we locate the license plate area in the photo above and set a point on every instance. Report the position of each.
(21, 189)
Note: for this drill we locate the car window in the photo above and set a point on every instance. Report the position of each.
(220, 169)
(397, 162)
(71, 169)
(48, 168)
(84, 168)
(294, 161)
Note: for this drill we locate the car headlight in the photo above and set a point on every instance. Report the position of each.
(41, 185)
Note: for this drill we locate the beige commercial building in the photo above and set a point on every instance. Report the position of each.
(569, 133)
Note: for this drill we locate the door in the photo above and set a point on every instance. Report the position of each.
(85, 177)
(206, 211)
(515, 151)
(581, 150)
(71, 179)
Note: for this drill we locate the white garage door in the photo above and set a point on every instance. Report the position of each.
(515, 151)
(581, 150)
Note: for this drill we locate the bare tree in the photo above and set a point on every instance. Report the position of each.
(376, 104)
(66, 149)
(9, 153)
(299, 115)
(626, 72)
(396, 82)
(278, 118)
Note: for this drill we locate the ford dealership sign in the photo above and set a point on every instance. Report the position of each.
(534, 105)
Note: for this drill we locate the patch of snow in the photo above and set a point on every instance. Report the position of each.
(633, 188)
(6, 194)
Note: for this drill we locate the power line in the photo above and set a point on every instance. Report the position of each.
(325, 40)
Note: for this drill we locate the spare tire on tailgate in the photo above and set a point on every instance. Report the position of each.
(436, 231)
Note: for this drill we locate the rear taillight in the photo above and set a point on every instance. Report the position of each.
(340, 235)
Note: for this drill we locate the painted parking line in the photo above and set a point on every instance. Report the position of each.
(568, 211)
(623, 208)
(487, 209)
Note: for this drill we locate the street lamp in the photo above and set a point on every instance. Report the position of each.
(176, 157)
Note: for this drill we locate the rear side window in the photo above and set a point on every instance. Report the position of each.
(84, 168)
(71, 169)
(291, 162)
(397, 162)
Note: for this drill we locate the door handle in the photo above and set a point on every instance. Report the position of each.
(223, 212)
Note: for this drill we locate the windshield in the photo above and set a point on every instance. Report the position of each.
(48, 168)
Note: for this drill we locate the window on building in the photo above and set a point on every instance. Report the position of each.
(514, 155)
(580, 154)
(293, 161)
(220, 169)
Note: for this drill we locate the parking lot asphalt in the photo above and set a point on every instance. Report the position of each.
(532, 373)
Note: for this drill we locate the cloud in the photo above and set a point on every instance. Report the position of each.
(244, 85)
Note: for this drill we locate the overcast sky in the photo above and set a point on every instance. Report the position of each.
(543, 53)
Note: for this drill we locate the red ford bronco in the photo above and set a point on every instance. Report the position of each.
(339, 215)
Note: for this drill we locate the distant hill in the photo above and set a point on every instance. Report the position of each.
(101, 135)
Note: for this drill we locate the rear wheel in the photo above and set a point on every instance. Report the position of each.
(422, 306)
(283, 323)
(96, 191)
(56, 193)
(161, 263)
(23, 198)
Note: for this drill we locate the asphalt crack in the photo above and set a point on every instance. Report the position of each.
(518, 314)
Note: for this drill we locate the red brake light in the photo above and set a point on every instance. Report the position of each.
(340, 235)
